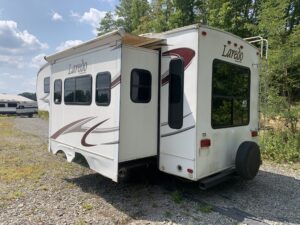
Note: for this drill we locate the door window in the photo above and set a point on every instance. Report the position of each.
(140, 90)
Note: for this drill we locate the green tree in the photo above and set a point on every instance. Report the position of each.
(107, 24)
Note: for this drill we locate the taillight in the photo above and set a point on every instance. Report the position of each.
(205, 143)
(254, 133)
(190, 171)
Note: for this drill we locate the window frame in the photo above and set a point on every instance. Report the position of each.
(47, 91)
(79, 103)
(109, 88)
(61, 91)
(137, 86)
(233, 98)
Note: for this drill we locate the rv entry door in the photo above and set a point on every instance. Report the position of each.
(139, 104)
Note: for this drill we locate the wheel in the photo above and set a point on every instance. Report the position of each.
(248, 160)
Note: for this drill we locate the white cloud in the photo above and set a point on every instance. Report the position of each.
(68, 44)
(56, 16)
(14, 41)
(38, 60)
(16, 61)
(91, 17)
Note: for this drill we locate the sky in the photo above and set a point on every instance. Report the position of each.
(31, 29)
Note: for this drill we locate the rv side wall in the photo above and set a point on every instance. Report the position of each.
(85, 120)
(178, 146)
(42, 97)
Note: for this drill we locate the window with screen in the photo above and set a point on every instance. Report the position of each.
(176, 93)
(103, 87)
(47, 85)
(57, 91)
(78, 90)
(230, 95)
(140, 91)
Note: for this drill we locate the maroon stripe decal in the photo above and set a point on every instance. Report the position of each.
(116, 81)
(63, 129)
(83, 139)
(186, 54)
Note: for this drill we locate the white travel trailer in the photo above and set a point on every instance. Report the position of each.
(186, 99)
(43, 88)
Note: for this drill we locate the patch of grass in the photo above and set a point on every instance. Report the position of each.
(12, 195)
(205, 208)
(87, 206)
(177, 196)
(43, 115)
(154, 205)
(280, 146)
(81, 222)
(12, 173)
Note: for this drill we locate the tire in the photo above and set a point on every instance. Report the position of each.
(248, 160)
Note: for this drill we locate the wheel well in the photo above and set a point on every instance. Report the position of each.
(81, 160)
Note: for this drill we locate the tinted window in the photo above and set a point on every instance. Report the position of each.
(47, 85)
(140, 91)
(11, 104)
(176, 93)
(2, 105)
(57, 91)
(78, 90)
(103, 83)
(230, 94)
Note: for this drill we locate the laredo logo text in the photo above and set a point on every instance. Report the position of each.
(237, 55)
(78, 68)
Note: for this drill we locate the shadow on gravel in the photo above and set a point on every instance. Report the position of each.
(269, 196)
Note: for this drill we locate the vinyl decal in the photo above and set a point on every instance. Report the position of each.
(68, 126)
(186, 53)
(83, 139)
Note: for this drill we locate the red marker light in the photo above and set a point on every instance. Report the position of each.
(254, 133)
(229, 42)
(205, 143)
(204, 33)
(190, 171)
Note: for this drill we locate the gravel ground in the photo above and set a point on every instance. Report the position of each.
(45, 189)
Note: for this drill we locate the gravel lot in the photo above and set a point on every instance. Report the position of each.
(39, 188)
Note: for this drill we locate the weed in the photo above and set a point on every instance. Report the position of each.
(87, 206)
(154, 205)
(177, 196)
(168, 214)
(205, 208)
(81, 222)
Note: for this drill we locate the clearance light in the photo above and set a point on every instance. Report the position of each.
(229, 42)
(242, 46)
(204, 33)
(235, 45)
(205, 143)
(190, 171)
(254, 133)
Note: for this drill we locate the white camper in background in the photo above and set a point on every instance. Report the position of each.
(43, 88)
(186, 98)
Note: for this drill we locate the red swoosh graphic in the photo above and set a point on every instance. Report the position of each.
(186, 54)
(83, 139)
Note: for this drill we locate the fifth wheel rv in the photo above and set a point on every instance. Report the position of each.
(186, 99)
